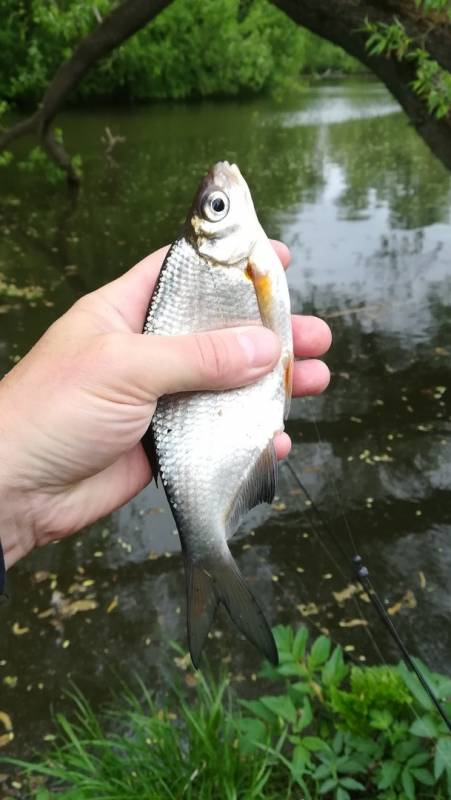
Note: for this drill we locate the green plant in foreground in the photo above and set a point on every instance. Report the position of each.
(322, 729)
(432, 83)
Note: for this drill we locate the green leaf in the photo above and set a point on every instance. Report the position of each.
(415, 687)
(282, 705)
(342, 794)
(300, 759)
(301, 687)
(418, 760)
(405, 749)
(315, 744)
(299, 644)
(388, 774)
(408, 784)
(259, 710)
(350, 783)
(305, 717)
(291, 670)
(334, 669)
(381, 719)
(319, 652)
(252, 731)
(424, 776)
(337, 743)
(322, 771)
(328, 785)
(283, 635)
(442, 757)
(425, 726)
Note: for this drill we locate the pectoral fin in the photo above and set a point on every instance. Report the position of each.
(264, 292)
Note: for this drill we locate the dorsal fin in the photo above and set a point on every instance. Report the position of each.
(258, 487)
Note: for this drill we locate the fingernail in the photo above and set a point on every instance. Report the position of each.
(260, 345)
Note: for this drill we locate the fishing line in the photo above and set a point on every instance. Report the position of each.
(362, 574)
(320, 540)
(363, 577)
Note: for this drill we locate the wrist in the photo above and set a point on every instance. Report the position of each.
(17, 534)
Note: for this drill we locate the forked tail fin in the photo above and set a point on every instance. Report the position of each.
(216, 581)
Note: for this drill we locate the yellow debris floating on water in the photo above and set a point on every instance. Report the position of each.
(47, 613)
(18, 630)
(407, 601)
(8, 735)
(113, 605)
(182, 662)
(79, 605)
(422, 578)
(41, 575)
(308, 609)
(10, 681)
(352, 623)
(346, 593)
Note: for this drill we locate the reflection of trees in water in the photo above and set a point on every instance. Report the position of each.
(126, 212)
(386, 156)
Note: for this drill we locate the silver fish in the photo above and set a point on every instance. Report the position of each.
(214, 450)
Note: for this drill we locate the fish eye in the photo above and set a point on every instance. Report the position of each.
(215, 206)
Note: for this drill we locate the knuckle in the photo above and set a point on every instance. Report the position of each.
(214, 355)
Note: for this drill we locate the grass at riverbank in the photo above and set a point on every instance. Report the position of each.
(321, 728)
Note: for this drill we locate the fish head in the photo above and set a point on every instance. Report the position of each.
(222, 224)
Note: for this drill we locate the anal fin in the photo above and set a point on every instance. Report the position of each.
(258, 487)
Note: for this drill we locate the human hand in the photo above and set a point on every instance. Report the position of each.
(73, 411)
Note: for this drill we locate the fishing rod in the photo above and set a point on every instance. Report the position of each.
(363, 577)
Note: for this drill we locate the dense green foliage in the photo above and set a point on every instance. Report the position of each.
(432, 83)
(193, 48)
(327, 730)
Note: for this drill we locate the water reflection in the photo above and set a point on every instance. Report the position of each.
(341, 177)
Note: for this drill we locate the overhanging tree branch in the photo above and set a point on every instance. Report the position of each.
(339, 21)
(342, 22)
(119, 25)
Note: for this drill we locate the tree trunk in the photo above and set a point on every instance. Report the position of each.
(118, 26)
(341, 21)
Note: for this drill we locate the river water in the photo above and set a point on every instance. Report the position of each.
(337, 173)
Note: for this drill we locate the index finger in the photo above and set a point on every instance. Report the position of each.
(282, 251)
(130, 294)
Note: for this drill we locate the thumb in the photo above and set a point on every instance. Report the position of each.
(223, 359)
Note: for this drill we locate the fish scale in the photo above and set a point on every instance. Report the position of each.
(214, 450)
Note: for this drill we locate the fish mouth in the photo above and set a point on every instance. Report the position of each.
(223, 176)
(222, 173)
